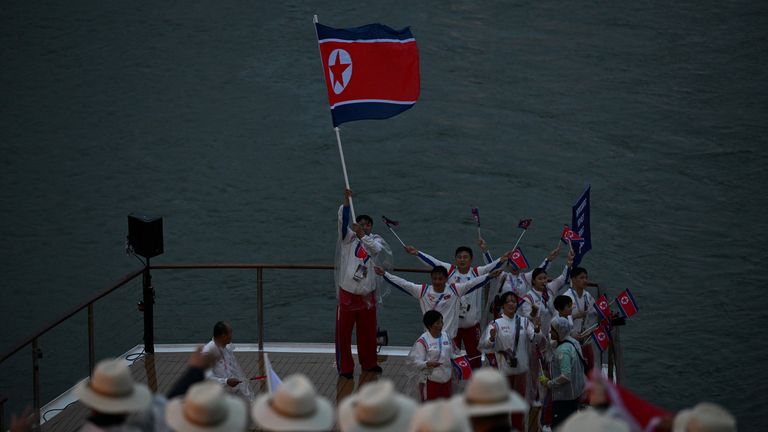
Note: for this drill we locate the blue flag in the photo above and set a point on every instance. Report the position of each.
(580, 224)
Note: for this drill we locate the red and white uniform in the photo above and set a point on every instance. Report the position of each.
(433, 382)
(470, 306)
(446, 302)
(357, 300)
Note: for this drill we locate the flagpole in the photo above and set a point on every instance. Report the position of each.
(393, 232)
(344, 170)
(336, 129)
(518, 240)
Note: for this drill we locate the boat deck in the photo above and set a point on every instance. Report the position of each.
(161, 369)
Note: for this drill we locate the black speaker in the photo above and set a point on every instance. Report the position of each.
(145, 234)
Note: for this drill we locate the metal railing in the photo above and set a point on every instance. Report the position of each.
(614, 352)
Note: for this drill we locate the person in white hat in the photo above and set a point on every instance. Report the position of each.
(705, 417)
(568, 365)
(376, 407)
(295, 406)
(440, 416)
(489, 402)
(206, 407)
(114, 398)
(593, 421)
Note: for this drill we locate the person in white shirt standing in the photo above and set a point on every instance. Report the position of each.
(358, 249)
(227, 370)
(431, 357)
(439, 296)
(584, 313)
(512, 338)
(470, 305)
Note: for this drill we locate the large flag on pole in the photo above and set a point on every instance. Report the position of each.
(580, 224)
(371, 72)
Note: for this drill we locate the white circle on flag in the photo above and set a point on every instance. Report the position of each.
(601, 336)
(339, 63)
(624, 300)
(603, 305)
(515, 255)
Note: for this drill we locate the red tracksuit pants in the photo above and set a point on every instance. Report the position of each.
(355, 310)
(470, 337)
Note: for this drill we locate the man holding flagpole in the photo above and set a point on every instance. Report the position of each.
(358, 250)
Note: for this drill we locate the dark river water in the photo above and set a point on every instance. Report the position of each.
(214, 115)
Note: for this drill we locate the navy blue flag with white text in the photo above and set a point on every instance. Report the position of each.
(580, 224)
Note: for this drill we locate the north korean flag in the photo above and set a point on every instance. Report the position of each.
(360, 252)
(518, 259)
(603, 308)
(570, 235)
(371, 72)
(524, 223)
(602, 337)
(627, 303)
(462, 367)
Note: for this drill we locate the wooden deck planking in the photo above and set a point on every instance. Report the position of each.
(160, 370)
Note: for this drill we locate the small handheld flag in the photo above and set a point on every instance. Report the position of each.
(518, 260)
(627, 304)
(524, 223)
(462, 367)
(569, 235)
(603, 308)
(602, 337)
(476, 215)
(390, 223)
(273, 380)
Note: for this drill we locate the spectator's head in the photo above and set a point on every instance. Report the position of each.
(488, 401)
(207, 408)
(376, 407)
(222, 333)
(563, 304)
(439, 277)
(112, 391)
(593, 421)
(294, 406)
(561, 328)
(440, 416)
(508, 302)
(539, 278)
(705, 417)
(463, 257)
(579, 278)
(365, 222)
(433, 320)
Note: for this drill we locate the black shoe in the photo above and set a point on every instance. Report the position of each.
(375, 369)
(348, 375)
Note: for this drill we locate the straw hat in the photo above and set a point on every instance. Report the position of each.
(295, 406)
(488, 393)
(206, 408)
(440, 416)
(111, 389)
(705, 417)
(591, 420)
(376, 407)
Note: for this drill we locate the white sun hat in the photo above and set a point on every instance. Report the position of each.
(295, 406)
(440, 416)
(593, 421)
(206, 408)
(705, 417)
(376, 407)
(112, 390)
(488, 393)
